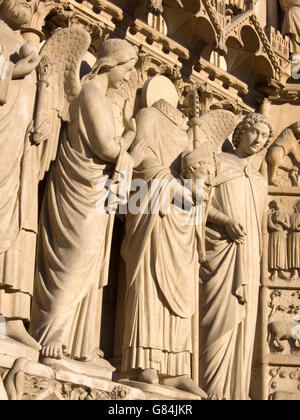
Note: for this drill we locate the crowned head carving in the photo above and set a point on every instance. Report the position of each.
(17, 13)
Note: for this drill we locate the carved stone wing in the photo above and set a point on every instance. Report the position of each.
(215, 127)
(59, 85)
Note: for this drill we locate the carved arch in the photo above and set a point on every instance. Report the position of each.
(249, 54)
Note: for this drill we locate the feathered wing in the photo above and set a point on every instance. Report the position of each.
(59, 85)
(215, 127)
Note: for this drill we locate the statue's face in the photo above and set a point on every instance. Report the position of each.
(120, 73)
(255, 139)
(205, 171)
(19, 12)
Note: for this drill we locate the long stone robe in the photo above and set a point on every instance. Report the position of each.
(294, 242)
(18, 185)
(161, 259)
(231, 280)
(291, 22)
(75, 235)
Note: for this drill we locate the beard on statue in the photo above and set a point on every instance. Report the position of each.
(18, 12)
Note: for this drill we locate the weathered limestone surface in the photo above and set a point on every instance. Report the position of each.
(145, 145)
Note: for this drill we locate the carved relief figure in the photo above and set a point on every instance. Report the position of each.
(18, 169)
(294, 242)
(279, 331)
(287, 144)
(162, 263)
(291, 23)
(231, 273)
(278, 225)
(75, 236)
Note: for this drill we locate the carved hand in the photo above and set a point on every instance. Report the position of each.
(42, 132)
(235, 231)
(130, 127)
(129, 122)
(26, 66)
(275, 229)
(138, 153)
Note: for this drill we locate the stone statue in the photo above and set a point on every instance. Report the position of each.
(294, 242)
(75, 234)
(160, 250)
(291, 23)
(278, 225)
(231, 272)
(287, 144)
(18, 168)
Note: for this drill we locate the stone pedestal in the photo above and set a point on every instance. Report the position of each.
(16, 350)
(160, 392)
(34, 381)
(102, 370)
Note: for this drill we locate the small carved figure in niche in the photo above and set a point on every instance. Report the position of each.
(75, 235)
(231, 272)
(294, 242)
(287, 144)
(278, 225)
(291, 23)
(18, 169)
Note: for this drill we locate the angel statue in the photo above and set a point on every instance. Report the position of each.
(231, 272)
(75, 236)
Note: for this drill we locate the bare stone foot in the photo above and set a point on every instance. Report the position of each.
(275, 276)
(16, 331)
(53, 350)
(184, 383)
(148, 376)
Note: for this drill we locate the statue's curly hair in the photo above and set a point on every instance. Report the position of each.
(247, 123)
